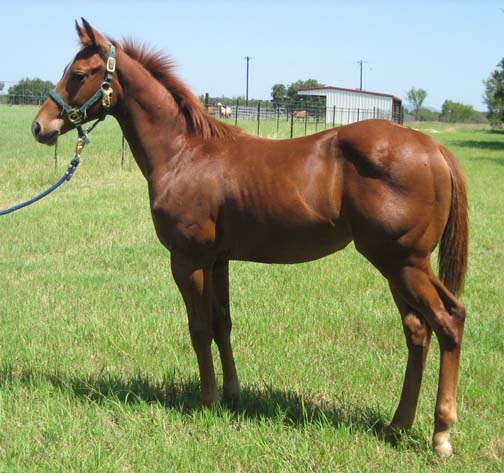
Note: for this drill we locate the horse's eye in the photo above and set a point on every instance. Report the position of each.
(78, 76)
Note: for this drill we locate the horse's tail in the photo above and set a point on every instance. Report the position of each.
(453, 244)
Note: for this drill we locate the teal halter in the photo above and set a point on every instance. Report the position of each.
(78, 115)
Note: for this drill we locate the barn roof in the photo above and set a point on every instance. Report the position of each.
(341, 89)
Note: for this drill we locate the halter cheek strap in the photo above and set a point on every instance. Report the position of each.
(78, 115)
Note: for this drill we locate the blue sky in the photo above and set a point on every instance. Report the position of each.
(445, 47)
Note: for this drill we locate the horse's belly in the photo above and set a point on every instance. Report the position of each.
(287, 245)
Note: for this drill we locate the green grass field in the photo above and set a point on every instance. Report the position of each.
(97, 372)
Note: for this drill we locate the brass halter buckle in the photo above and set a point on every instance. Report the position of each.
(107, 92)
(75, 116)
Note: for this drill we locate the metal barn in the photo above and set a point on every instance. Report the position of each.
(345, 106)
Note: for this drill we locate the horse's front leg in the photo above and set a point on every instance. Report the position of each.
(222, 330)
(195, 284)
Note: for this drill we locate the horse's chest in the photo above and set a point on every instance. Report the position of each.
(184, 221)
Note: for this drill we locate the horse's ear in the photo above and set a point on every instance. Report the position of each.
(79, 30)
(89, 36)
(90, 31)
(86, 33)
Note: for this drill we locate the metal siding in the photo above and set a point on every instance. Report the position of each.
(353, 106)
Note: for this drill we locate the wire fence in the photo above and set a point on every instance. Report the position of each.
(312, 116)
(22, 95)
(23, 99)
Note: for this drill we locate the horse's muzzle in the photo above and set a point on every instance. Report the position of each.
(48, 138)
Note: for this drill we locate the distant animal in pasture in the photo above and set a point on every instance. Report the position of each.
(300, 114)
(225, 111)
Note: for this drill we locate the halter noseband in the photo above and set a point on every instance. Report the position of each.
(78, 115)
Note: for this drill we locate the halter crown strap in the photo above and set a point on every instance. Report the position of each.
(77, 116)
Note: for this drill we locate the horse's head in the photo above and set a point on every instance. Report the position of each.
(82, 93)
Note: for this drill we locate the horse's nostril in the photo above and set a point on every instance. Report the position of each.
(36, 129)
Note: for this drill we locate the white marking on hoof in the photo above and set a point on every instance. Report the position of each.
(444, 449)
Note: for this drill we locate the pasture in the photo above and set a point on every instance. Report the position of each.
(97, 372)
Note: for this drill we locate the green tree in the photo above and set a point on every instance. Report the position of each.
(304, 100)
(278, 94)
(416, 98)
(2, 85)
(494, 95)
(426, 115)
(29, 91)
(288, 97)
(456, 112)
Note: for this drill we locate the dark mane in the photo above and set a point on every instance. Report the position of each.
(161, 67)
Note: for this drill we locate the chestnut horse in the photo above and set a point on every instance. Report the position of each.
(218, 194)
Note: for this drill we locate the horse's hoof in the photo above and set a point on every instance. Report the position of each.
(210, 403)
(391, 433)
(444, 449)
(231, 394)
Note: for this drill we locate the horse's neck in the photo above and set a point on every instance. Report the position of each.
(148, 117)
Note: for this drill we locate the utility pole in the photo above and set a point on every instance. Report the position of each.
(361, 62)
(248, 58)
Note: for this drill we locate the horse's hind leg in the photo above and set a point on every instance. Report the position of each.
(222, 330)
(423, 291)
(418, 334)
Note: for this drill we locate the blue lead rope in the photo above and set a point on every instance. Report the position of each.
(66, 177)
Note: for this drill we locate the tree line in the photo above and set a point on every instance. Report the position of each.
(451, 111)
(28, 91)
(458, 112)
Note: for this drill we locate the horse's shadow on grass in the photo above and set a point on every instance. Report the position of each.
(482, 146)
(257, 403)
